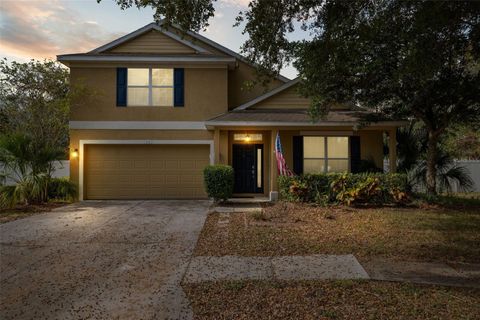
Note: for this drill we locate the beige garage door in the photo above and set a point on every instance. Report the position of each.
(145, 171)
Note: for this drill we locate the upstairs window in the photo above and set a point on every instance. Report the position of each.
(150, 87)
(325, 154)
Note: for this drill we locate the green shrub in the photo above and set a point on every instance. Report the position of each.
(218, 181)
(30, 189)
(62, 189)
(346, 188)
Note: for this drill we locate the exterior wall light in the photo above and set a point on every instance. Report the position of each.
(74, 153)
(247, 138)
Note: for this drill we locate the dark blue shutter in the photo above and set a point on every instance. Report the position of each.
(298, 154)
(354, 154)
(178, 87)
(122, 87)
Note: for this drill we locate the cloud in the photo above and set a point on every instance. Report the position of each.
(236, 3)
(43, 29)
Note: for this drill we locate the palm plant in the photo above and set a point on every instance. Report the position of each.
(411, 149)
(411, 144)
(448, 174)
(28, 167)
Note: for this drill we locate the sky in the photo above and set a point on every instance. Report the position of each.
(42, 29)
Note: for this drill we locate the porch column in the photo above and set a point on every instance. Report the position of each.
(392, 150)
(273, 167)
(216, 146)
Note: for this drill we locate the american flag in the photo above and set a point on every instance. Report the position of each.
(281, 165)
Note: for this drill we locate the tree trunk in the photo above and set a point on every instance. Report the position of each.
(432, 151)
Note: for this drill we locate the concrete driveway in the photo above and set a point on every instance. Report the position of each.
(101, 260)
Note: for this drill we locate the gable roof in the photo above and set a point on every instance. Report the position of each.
(100, 51)
(268, 94)
(145, 29)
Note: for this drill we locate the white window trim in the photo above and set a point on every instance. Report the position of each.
(150, 89)
(326, 158)
(82, 144)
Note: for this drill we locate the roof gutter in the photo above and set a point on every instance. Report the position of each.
(123, 58)
(301, 124)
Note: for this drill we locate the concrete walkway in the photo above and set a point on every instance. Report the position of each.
(330, 267)
(274, 268)
(436, 273)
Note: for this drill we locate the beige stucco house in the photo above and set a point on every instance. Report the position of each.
(165, 105)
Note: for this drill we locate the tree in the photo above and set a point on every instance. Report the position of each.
(35, 101)
(412, 142)
(463, 142)
(187, 14)
(403, 59)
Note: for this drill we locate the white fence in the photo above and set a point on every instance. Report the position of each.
(473, 167)
(62, 169)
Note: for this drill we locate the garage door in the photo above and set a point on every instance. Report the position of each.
(144, 171)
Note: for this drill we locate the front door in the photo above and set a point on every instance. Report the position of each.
(247, 162)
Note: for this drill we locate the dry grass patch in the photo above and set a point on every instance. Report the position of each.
(433, 234)
(330, 300)
(23, 211)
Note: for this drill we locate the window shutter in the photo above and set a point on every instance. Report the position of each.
(298, 154)
(122, 87)
(354, 154)
(178, 87)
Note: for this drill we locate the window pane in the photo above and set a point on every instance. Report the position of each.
(259, 168)
(247, 137)
(313, 165)
(313, 147)
(137, 77)
(337, 165)
(162, 97)
(162, 77)
(337, 147)
(137, 97)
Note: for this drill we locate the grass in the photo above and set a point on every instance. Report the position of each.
(24, 211)
(330, 300)
(429, 233)
(457, 201)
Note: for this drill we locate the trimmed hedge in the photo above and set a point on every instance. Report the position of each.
(345, 188)
(218, 181)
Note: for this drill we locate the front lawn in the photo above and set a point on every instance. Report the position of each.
(428, 233)
(23, 211)
(330, 300)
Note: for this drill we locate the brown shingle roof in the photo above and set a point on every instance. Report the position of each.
(289, 117)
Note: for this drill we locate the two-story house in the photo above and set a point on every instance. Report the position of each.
(166, 104)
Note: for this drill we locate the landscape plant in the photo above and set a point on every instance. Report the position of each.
(411, 149)
(218, 181)
(345, 188)
(35, 99)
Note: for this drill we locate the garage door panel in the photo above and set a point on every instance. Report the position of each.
(145, 171)
(156, 164)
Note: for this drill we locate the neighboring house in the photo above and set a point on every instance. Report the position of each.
(166, 105)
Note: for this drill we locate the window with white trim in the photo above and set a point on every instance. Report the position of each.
(325, 154)
(150, 87)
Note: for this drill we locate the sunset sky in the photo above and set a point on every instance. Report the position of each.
(39, 29)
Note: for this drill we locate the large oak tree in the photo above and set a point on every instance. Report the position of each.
(402, 59)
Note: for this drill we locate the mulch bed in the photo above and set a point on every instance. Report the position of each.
(23, 211)
(330, 300)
